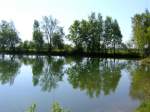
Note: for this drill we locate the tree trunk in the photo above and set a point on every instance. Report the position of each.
(114, 49)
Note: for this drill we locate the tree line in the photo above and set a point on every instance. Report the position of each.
(91, 35)
(95, 34)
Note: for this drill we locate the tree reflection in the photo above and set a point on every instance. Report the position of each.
(94, 77)
(140, 86)
(9, 68)
(37, 69)
(110, 75)
(47, 71)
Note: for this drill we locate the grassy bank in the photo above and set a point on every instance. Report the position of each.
(145, 61)
(144, 107)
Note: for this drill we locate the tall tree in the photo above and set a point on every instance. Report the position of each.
(86, 34)
(8, 35)
(141, 29)
(37, 35)
(108, 31)
(74, 34)
(57, 39)
(49, 27)
(95, 32)
(116, 36)
(84, 40)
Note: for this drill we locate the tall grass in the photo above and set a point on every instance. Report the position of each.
(55, 108)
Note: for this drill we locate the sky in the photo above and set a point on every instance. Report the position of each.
(23, 12)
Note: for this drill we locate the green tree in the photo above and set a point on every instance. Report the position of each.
(74, 35)
(27, 45)
(8, 35)
(37, 35)
(57, 39)
(49, 28)
(116, 36)
(141, 29)
(95, 32)
(108, 31)
(86, 34)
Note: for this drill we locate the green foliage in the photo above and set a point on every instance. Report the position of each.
(86, 34)
(145, 61)
(52, 32)
(27, 45)
(8, 35)
(74, 35)
(141, 30)
(112, 36)
(95, 32)
(117, 36)
(37, 36)
(93, 35)
(57, 39)
(144, 107)
(108, 31)
(55, 108)
(140, 86)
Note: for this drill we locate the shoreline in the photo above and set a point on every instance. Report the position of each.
(75, 54)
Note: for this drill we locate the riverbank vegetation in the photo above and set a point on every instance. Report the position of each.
(145, 61)
(144, 107)
(55, 108)
(141, 31)
(94, 36)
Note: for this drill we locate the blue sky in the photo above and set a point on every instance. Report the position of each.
(23, 12)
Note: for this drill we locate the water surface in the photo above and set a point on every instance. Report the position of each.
(78, 84)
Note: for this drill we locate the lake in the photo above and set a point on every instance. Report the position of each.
(78, 84)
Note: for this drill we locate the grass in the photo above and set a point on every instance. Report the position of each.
(145, 61)
(144, 107)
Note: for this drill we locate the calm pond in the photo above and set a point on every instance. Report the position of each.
(78, 84)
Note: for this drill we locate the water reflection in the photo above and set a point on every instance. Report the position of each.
(47, 72)
(9, 68)
(140, 87)
(51, 74)
(95, 76)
